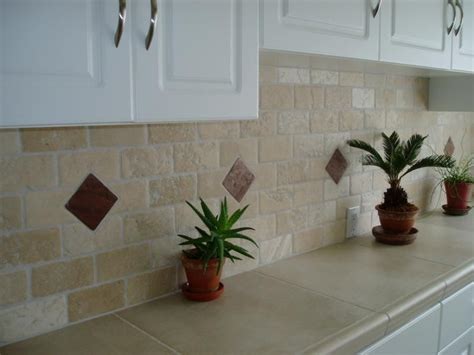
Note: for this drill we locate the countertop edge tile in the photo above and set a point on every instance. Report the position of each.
(355, 336)
(459, 277)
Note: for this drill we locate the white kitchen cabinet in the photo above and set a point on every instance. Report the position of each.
(463, 41)
(420, 336)
(202, 63)
(345, 28)
(463, 345)
(60, 64)
(415, 33)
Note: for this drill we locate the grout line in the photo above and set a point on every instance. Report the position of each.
(146, 333)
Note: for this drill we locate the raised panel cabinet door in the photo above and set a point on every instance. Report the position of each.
(463, 41)
(345, 28)
(420, 336)
(414, 32)
(60, 65)
(464, 345)
(202, 62)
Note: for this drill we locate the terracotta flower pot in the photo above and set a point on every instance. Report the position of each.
(458, 195)
(397, 222)
(200, 280)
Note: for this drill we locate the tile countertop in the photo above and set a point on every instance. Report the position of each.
(342, 297)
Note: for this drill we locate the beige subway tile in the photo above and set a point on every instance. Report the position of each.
(32, 318)
(74, 167)
(151, 285)
(291, 221)
(173, 189)
(370, 200)
(186, 219)
(112, 136)
(209, 184)
(123, 262)
(351, 120)
(96, 300)
(338, 97)
(336, 140)
(189, 157)
(293, 75)
(344, 203)
(296, 171)
(334, 233)
(132, 196)
(375, 119)
(264, 225)
(309, 97)
(264, 125)
(307, 240)
(10, 213)
(9, 141)
(265, 176)
(360, 183)
(400, 81)
(275, 200)
(308, 147)
(351, 79)
(333, 191)
(323, 121)
(61, 276)
(385, 98)
(174, 132)
(13, 288)
(46, 139)
(324, 77)
(219, 130)
(363, 98)
(374, 80)
(245, 149)
(293, 122)
(29, 247)
(405, 98)
(276, 97)
(275, 249)
(321, 213)
(268, 74)
(308, 192)
(79, 239)
(250, 199)
(38, 216)
(147, 161)
(166, 251)
(274, 148)
(150, 225)
(26, 172)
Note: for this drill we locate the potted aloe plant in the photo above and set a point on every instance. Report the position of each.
(204, 261)
(396, 214)
(458, 181)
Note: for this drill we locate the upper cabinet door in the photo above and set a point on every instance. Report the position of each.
(59, 64)
(414, 32)
(202, 63)
(463, 42)
(345, 28)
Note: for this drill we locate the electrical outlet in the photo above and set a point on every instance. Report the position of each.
(352, 216)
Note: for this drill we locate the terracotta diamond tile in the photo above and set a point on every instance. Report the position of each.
(238, 180)
(449, 147)
(336, 166)
(91, 202)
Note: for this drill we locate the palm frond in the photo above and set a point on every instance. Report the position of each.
(412, 147)
(390, 144)
(433, 161)
(356, 143)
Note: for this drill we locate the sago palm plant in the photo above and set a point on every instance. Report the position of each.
(400, 158)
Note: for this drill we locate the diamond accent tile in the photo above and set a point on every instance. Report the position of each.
(91, 202)
(449, 147)
(238, 180)
(336, 166)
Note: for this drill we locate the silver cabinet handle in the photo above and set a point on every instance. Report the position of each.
(377, 8)
(450, 27)
(151, 29)
(456, 30)
(121, 21)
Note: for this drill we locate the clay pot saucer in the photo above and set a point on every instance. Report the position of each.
(202, 296)
(456, 211)
(394, 239)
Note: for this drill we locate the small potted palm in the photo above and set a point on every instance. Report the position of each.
(458, 181)
(203, 262)
(396, 214)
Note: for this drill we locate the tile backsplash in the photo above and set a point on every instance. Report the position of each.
(54, 270)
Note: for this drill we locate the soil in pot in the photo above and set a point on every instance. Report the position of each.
(397, 221)
(458, 195)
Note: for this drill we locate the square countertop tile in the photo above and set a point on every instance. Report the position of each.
(256, 314)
